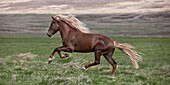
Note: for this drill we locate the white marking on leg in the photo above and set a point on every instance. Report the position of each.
(50, 59)
(62, 55)
(83, 68)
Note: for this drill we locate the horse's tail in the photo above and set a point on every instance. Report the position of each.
(128, 50)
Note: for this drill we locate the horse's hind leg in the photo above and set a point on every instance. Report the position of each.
(96, 62)
(109, 58)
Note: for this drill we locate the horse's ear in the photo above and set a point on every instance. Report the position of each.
(70, 16)
(53, 17)
(56, 18)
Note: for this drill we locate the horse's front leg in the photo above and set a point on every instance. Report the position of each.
(59, 49)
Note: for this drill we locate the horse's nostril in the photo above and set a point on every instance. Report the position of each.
(49, 35)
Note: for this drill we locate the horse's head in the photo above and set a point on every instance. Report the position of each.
(54, 26)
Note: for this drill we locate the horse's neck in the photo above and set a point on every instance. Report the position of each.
(65, 30)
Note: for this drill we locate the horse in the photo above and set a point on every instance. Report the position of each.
(76, 37)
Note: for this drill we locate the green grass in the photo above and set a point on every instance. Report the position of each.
(154, 69)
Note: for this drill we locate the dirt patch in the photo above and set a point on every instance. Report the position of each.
(2, 61)
(25, 56)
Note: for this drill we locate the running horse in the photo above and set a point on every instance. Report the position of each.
(76, 38)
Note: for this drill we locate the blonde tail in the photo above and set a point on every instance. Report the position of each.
(128, 50)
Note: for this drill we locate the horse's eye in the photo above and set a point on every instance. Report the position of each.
(52, 23)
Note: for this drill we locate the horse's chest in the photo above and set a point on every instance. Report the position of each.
(67, 43)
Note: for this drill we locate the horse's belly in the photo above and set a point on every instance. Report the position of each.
(86, 43)
(83, 49)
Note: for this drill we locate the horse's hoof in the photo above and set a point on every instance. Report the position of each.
(83, 68)
(49, 61)
(66, 55)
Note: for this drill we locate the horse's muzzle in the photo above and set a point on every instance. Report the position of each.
(49, 35)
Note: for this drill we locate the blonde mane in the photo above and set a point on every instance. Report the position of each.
(74, 23)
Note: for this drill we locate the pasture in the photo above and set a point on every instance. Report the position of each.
(23, 61)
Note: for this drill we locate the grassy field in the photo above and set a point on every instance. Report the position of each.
(23, 61)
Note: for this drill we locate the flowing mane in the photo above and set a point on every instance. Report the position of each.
(74, 23)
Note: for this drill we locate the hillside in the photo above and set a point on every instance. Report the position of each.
(83, 7)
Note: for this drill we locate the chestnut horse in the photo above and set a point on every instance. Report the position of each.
(75, 38)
